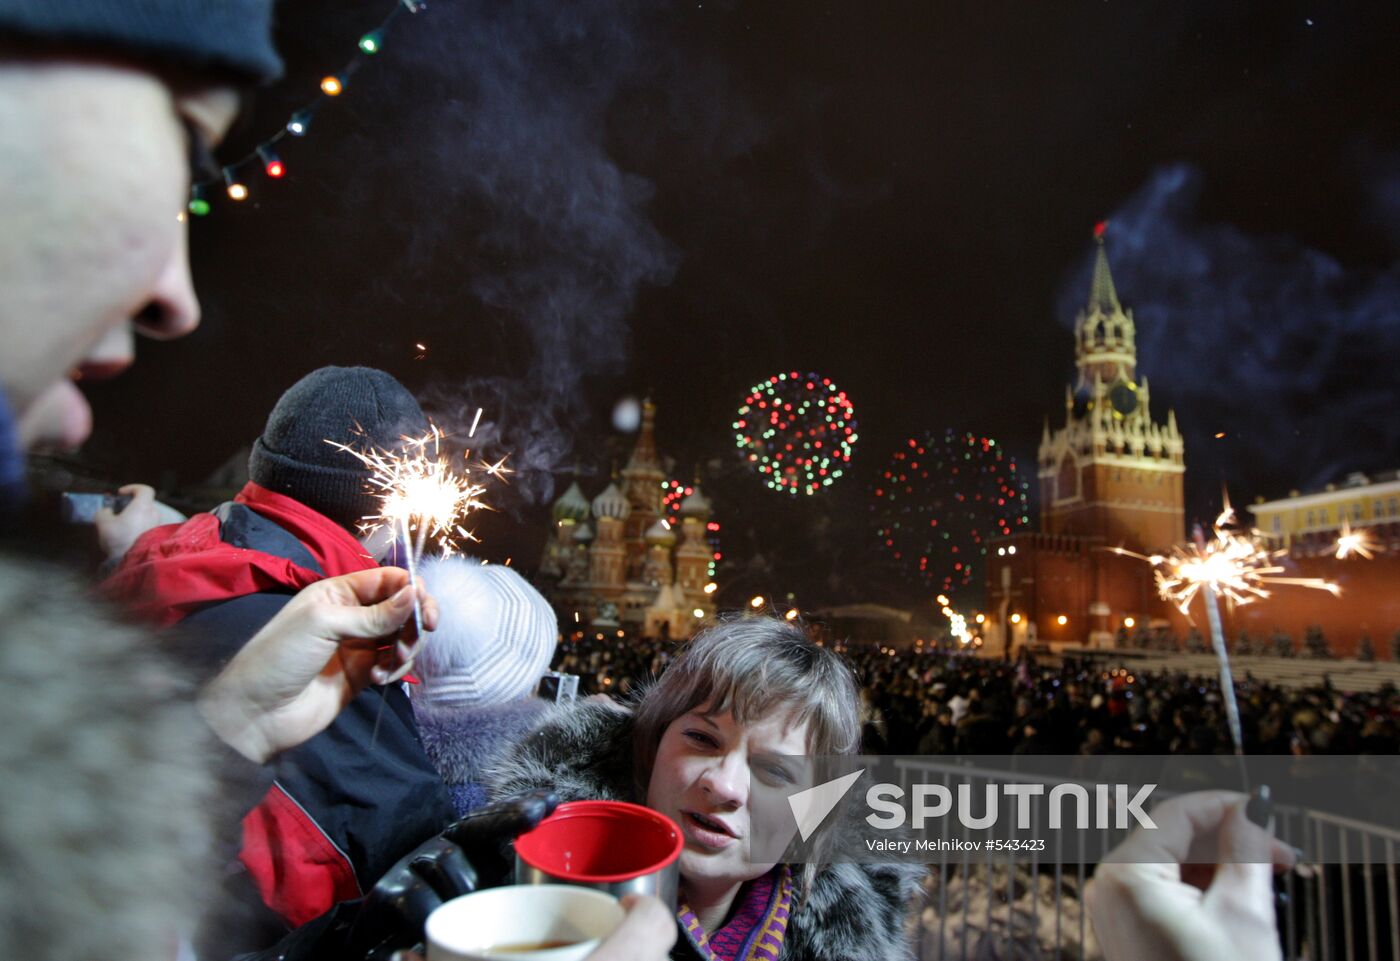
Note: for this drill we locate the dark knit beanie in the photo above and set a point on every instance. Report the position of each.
(360, 407)
(233, 36)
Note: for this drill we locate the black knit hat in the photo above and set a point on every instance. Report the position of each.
(234, 36)
(360, 407)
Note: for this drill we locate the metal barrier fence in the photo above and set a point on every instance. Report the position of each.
(1020, 906)
(1349, 910)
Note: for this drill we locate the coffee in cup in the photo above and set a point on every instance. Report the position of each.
(547, 922)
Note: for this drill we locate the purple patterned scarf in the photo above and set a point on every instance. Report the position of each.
(755, 932)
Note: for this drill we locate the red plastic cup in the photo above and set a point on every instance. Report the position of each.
(609, 845)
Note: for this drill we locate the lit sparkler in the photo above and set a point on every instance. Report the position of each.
(1235, 564)
(421, 496)
(422, 499)
(1360, 542)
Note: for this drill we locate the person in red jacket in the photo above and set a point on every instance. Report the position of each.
(351, 801)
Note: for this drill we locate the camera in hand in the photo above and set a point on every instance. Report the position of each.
(83, 508)
(557, 687)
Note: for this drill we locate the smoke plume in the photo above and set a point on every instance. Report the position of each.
(512, 130)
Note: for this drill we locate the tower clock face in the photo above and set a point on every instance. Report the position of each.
(1123, 397)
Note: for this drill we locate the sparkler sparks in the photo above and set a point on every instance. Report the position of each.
(1360, 542)
(1233, 563)
(421, 498)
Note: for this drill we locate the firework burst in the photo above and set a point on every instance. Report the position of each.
(797, 430)
(938, 502)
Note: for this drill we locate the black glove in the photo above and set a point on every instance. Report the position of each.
(473, 853)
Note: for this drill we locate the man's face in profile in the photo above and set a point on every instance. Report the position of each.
(94, 176)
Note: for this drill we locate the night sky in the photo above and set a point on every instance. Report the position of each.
(571, 203)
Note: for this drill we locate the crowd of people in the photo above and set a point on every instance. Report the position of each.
(237, 711)
(946, 702)
(1313, 644)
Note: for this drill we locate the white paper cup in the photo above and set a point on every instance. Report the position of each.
(470, 927)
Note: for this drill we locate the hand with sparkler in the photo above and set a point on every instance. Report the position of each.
(1198, 887)
(332, 639)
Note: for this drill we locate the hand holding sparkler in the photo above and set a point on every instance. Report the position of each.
(1197, 888)
(332, 640)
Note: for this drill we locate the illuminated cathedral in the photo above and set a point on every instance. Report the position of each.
(1111, 476)
(618, 561)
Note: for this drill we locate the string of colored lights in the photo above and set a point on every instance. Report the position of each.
(798, 431)
(265, 155)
